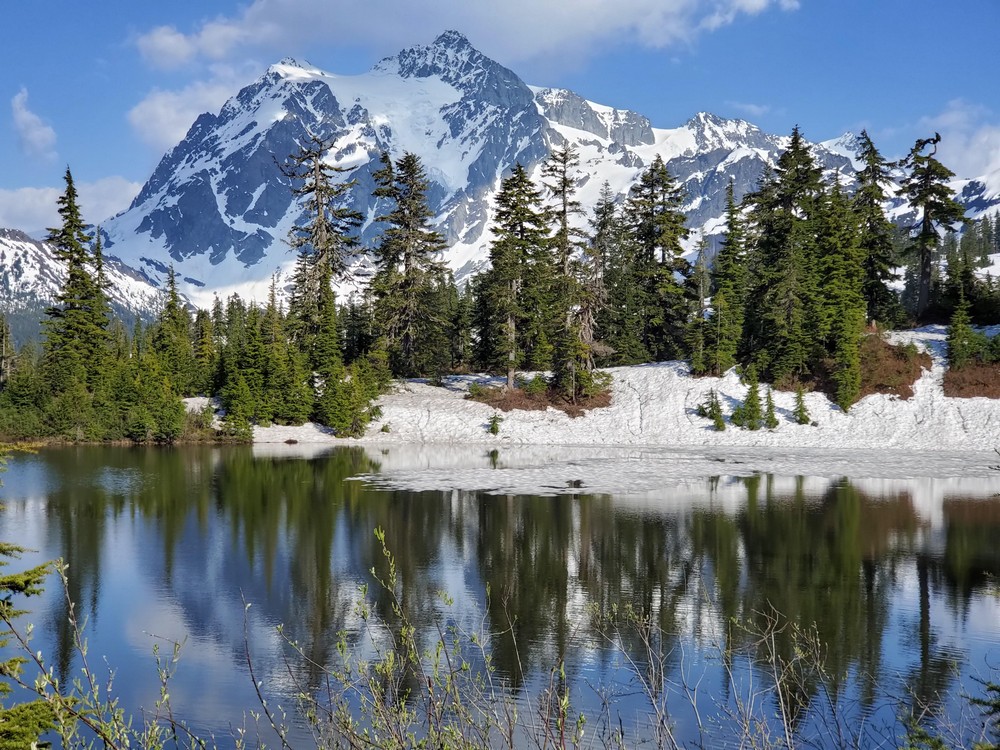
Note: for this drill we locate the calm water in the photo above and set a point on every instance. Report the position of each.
(900, 579)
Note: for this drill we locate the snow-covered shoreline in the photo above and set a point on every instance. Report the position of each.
(655, 405)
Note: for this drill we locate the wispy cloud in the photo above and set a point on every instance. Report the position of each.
(34, 209)
(753, 110)
(37, 138)
(970, 137)
(513, 31)
(163, 117)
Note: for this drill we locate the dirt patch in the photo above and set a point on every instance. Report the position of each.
(517, 398)
(890, 369)
(972, 380)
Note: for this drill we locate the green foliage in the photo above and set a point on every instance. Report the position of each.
(770, 418)
(21, 724)
(537, 386)
(801, 414)
(712, 409)
(964, 344)
(494, 423)
(748, 414)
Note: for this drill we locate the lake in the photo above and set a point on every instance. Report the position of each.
(740, 563)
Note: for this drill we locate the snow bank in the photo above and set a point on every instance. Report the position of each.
(655, 405)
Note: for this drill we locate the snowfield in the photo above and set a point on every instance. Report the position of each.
(655, 405)
(651, 438)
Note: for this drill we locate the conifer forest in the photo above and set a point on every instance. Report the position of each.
(807, 268)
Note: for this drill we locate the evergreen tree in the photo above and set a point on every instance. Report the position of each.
(697, 326)
(725, 324)
(172, 339)
(875, 232)
(657, 224)
(620, 320)
(517, 283)
(963, 343)
(76, 329)
(410, 277)
(801, 414)
(748, 414)
(926, 189)
(325, 240)
(784, 316)
(770, 418)
(7, 353)
(843, 264)
(572, 355)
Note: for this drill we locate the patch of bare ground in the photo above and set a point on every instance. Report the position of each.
(890, 369)
(972, 380)
(517, 398)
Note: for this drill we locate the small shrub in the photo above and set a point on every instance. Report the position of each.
(476, 390)
(801, 413)
(712, 409)
(494, 425)
(770, 419)
(386, 427)
(748, 414)
(537, 386)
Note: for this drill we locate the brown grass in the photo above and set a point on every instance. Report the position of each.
(890, 369)
(516, 398)
(972, 380)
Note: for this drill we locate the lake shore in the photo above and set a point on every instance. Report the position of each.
(656, 405)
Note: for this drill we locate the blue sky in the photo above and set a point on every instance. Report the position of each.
(108, 87)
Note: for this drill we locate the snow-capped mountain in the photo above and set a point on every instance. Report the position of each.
(31, 277)
(219, 210)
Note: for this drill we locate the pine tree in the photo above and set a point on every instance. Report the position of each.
(76, 329)
(963, 343)
(657, 224)
(748, 414)
(784, 314)
(572, 356)
(926, 188)
(801, 414)
(695, 339)
(410, 274)
(7, 353)
(770, 418)
(875, 232)
(729, 277)
(172, 339)
(325, 240)
(620, 319)
(520, 275)
(842, 261)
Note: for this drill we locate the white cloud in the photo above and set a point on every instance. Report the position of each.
(512, 31)
(34, 209)
(37, 138)
(747, 108)
(162, 118)
(970, 138)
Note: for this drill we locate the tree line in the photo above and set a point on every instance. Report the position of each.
(803, 268)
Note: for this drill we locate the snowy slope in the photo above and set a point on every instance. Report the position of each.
(31, 276)
(655, 405)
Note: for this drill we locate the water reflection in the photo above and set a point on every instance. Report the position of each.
(175, 541)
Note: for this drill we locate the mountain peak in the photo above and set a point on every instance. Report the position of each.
(451, 39)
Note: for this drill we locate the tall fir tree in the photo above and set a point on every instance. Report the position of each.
(926, 188)
(411, 276)
(653, 212)
(729, 280)
(76, 329)
(842, 260)
(784, 316)
(517, 284)
(875, 232)
(572, 356)
(325, 239)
